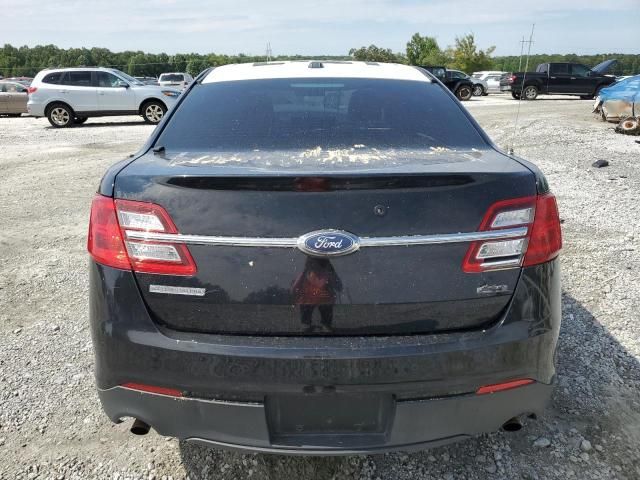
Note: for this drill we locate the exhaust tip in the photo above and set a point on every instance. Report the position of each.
(139, 427)
(512, 425)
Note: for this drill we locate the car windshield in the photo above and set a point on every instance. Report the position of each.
(171, 77)
(324, 113)
(128, 78)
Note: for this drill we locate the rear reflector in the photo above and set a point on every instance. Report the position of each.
(153, 389)
(108, 243)
(542, 242)
(499, 387)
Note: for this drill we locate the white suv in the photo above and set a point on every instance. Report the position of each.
(175, 80)
(69, 96)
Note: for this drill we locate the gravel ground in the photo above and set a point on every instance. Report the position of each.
(51, 424)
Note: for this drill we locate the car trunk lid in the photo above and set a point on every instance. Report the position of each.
(262, 288)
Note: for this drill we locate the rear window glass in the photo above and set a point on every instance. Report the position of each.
(324, 113)
(78, 79)
(560, 68)
(53, 78)
(172, 77)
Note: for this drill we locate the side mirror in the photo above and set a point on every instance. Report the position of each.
(122, 84)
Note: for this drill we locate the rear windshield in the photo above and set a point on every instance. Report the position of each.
(171, 77)
(280, 114)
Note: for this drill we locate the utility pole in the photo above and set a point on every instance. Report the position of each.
(529, 43)
(269, 53)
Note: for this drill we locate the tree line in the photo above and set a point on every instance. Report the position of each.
(420, 50)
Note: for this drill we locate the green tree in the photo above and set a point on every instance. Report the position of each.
(373, 53)
(467, 57)
(425, 51)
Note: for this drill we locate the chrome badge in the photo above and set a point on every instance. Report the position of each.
(328, 243)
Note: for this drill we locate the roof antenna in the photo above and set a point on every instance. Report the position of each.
(524, 77)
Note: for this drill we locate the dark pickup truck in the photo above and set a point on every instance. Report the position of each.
(559, 79)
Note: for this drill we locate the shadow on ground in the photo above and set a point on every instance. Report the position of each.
(597, 398)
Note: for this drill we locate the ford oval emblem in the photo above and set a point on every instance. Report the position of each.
(328, 243)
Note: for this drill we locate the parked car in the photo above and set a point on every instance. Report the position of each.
(559, 79)
(320, 258)
(480, 87)
(148, 80)
(456, 81)
(69, 96)
(492, 79)
(175, 80)
(620, 100)
(26, 81)
(13, 98)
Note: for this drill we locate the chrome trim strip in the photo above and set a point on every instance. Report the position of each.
(293, 242)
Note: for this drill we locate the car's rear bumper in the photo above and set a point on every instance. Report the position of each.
(427, 382)
(35, 109)
(505, 88)
(236, 425)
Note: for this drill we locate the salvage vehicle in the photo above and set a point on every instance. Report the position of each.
(323, 258)
(458, 82)
(620, 100)
(13, 98)
(559, 79)
(69, 96)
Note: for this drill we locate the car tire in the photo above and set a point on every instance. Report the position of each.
(464, 93)
(515, 95)
(478, 90)
(530, 92)
(80, 120)
(153, 111)
(60, 115)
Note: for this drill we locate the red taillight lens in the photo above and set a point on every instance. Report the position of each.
(545, 237)
(499, 387)
(539, 241)
(143, 256)
(512, 79)
(31, 90)
(105, 242)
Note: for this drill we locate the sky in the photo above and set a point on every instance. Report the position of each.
(330, 27)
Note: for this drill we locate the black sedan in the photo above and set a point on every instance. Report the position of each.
(323, 258)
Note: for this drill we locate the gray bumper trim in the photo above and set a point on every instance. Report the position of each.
(416, 424)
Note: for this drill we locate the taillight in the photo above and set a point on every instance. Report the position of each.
(105, 242)
(539, 242)
(109, 245)
(545, 236)
(512, 79)
(31, 90)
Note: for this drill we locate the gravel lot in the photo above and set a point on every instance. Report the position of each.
(51, 424)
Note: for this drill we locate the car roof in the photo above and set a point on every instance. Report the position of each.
(66, 69)
(314, 69)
